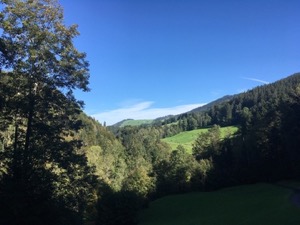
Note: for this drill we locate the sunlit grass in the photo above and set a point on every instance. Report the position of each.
(187, 138)
(135, 122)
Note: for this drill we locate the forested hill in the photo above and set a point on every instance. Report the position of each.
(260, 101)
(135, 165)
(226, 110)
(159, 120)
(206, 107)
(59, 166)
(266, 146)
(231, 110)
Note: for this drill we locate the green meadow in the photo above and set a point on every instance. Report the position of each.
(257, 204)
(187, 138)
(135, 122)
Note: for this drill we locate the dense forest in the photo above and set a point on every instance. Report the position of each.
(59, 166)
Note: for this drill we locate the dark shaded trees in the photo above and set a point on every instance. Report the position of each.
(46, 179)
(118, 207)
(290, 135)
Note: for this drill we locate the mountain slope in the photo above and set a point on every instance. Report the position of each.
(206, 107)
(229, 109)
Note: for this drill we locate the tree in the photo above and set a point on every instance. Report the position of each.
(246, 117)
(207, 144)
(181, 169)
(228, 108)
(46, 178)
(174, 174)
(192, 123)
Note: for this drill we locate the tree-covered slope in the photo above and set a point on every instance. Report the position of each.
(206, 107)
(231, 110)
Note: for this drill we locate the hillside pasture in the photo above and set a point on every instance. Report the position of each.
(135, 122)
(259, 204)
(187, 138)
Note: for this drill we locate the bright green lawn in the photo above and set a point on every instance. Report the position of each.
(187, 138)
(259, 204)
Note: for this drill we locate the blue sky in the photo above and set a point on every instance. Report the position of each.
(150, 58)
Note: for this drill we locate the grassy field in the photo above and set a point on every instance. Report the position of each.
(258, 204)
(135, 122)
(187, 138)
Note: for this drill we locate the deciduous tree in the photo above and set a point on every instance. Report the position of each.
(46, 179)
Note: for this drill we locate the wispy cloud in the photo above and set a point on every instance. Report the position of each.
(142, 110)
(257, 80)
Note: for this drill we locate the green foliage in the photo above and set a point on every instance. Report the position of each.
(50, 152)
(262, 204)
(110, 166)
(139, 179)
(174, 174)
(187, 138)
(104, 152)
(143, 151)
(46, 178)
(207, 144)
(262, 148)
(205, 167)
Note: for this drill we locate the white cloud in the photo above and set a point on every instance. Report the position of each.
(141, 110)
(257, 80)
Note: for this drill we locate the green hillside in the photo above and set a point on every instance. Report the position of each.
(187, 138)
(135, 122)
(131, 122)
(260, 204)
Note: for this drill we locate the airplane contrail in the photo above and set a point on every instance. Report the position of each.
(257, 80)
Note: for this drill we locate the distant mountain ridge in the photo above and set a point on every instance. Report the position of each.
(230, 100)
(209, 105)
(119, 124)
(133, 122)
